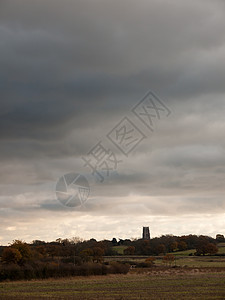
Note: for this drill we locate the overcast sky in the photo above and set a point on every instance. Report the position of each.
(70, 72)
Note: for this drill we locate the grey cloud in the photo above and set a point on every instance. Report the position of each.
(71, 70)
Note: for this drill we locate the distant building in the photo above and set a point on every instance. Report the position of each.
(146, 233)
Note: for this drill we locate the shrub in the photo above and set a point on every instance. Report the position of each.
(116, 267)
(168, 259)
(41, 270)
(150, 261)
(11, 255)
(11, 272)
(28, 272)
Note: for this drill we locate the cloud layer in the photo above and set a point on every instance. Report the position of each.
(70, 71)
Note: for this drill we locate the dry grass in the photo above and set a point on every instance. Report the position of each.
(156, 283)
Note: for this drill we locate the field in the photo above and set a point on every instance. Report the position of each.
(221, 250)
(221, 247)
(119, 249)
(189, 277)
(172, 284)
(180, 261)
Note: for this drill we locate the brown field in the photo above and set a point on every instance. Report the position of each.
(188, 278)
(153, 283)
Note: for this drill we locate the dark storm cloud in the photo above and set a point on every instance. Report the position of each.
(64, 59)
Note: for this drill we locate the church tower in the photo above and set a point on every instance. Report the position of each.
(146, 233)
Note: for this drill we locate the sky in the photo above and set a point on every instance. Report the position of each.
(141, 83)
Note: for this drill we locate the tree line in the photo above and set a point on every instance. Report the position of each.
(79, 250)
(76, 256)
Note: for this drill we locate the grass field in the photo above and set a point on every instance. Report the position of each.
(221, 250)
(181, 261)
(188, 285)
(185, 252)
(221, 247)
(119, 249)
(193, 277)
(200, 262)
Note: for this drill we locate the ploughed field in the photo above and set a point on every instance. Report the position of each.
(151, 283)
